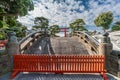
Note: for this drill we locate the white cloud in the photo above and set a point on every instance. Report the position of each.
(62, 14)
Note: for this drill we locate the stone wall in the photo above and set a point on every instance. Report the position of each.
(115, 63)
(4, 63)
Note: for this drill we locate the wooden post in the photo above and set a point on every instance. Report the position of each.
(65, 32)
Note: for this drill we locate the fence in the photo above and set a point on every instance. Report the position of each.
(59, 64)
(2, 43)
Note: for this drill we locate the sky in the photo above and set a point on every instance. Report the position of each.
(63, 12)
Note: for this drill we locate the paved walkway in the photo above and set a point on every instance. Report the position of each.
(58, 77)
(68, 45)
(41, 46)
(5, 77)
(58, 45)
(41, 76)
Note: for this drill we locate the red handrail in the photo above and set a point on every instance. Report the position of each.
(2, 43)
(59, 64)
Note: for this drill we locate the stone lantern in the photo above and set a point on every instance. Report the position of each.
(12, 46)
(105, 48)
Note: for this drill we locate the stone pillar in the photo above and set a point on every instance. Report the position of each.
(12, 47)
(105, 48)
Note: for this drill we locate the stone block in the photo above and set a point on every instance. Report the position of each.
(114, 62)
(115, 72)
(4, 64)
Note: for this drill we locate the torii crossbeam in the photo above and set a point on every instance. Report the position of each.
(65, 30)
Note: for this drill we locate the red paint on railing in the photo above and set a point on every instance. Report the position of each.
(59, 64)
(65, 30)
(2, 43)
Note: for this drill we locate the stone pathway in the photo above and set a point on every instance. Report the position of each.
(41, 76)
(5, 77)
(36, 76)
(58, 45)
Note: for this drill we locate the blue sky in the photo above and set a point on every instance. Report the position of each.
(63, 12)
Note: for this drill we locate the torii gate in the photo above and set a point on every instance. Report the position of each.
(65, 30)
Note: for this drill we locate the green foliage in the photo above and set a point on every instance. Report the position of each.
(2, 35)
(20, 33)
(104, 20)
(1, 24)
(78, 25)
(41, 23)
(7, 22)
(17, 7)
(19, 29)
(2, 10)
(9, 10)
(54, 29)
(11, 21)
(116, 26)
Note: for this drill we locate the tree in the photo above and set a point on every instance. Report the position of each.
(9, 11)
(15, 7)
(104, 20)
(116, 26)
(6, 24)
(20, 30)
(41, 22)
(2, 34)
(77, 25)
(54, 29)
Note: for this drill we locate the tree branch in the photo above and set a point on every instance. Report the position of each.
(8, 14)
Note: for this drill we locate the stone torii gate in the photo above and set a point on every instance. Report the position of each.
(65, 30)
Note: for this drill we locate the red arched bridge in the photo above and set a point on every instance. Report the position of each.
(79, 53)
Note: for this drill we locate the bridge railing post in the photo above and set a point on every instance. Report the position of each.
(12, 47)
(105, 48)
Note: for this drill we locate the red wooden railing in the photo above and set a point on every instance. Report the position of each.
(2, 43)
(59, 64)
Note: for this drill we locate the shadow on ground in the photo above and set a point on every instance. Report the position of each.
(42, 46)
(41, 76)
(37, 76)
